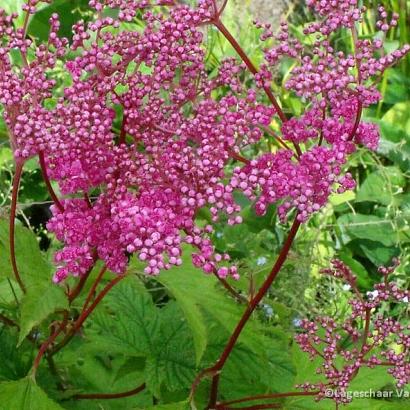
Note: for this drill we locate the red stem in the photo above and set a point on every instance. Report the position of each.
(123, 132)
(256, 407)
(261, 293)
(85, 313)
(77, 290)
(359, 81)
(48, 183)
(213, 397)
(94, 287)
(13, 209)
(240, 298)
(45, 346)
(238, 157)
(109, 396)
(357, 120)
(279, 139)
(221, 27)
(8, 321)
(216, 369)
(252, 68)
(270, 396)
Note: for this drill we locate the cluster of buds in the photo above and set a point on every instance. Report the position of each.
(371, 345)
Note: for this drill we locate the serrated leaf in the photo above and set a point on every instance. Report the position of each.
(198, 297)
(24, 394)
(380, 186)
(191, 311)
(32, 266)
(38, 303)
(358, 226)
(218, 314)
(173, 361)
(395, 144)
(134, 325)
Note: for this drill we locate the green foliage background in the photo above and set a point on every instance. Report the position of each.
(162, 331)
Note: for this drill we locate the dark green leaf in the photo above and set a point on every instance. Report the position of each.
(358, 226)
(72, 11)
(133, 325)
(173, 361)
(38, 303)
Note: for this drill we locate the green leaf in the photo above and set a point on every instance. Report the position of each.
(38, 303)
(395, 144)
(182, 405)
(6, 156)
(374, 379)
(215, 313)
(133, 327)
(24, 394)
(358, 269)
(14, 6)
(30, 261)
(398, 88)
(198, 297)
(339, 199)
(8, 288)
(399, 116)
(377, 253)
(72, 11)
(190, 307)
(381, 186)
(358, 226)
(15, 361)
(173, 361)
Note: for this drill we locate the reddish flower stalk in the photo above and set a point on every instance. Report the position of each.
(97, 300)
(256, 407)
(85, 313)
(47, 344)
(240, 298)
(222, 28)
(13, 209)
(267, 396)
(123, 133)
(251, 67)
(94, 287)
(216, 369)
(109, 396)
(7, 321)
(47, 181)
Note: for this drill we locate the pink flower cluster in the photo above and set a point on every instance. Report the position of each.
(371, 346)
(304, 183)
(140, 139)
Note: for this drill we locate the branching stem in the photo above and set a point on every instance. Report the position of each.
(47, 181)
(269, 396)
(217, 368)
(109, 396)
(12, 233)
(84, 315)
